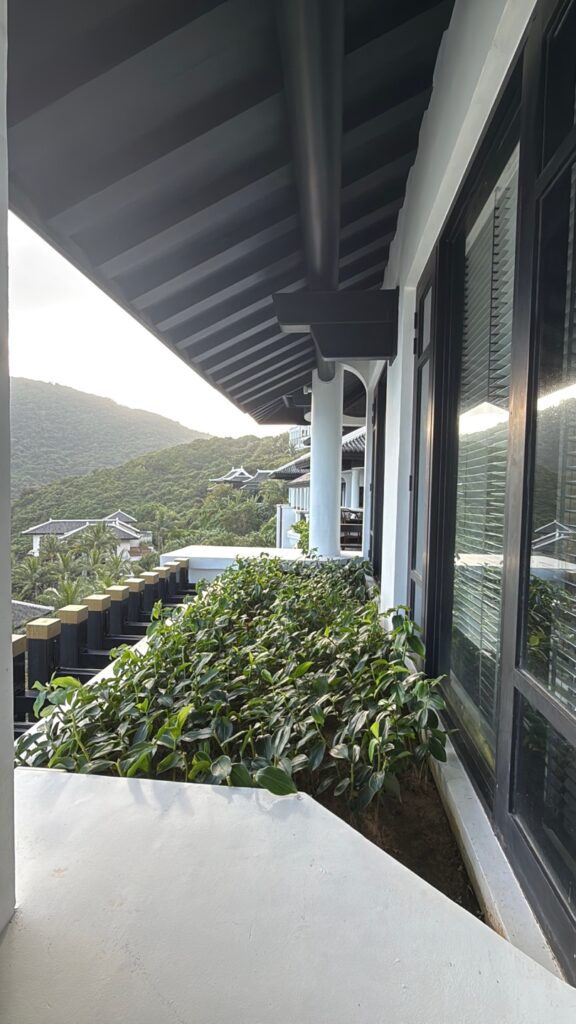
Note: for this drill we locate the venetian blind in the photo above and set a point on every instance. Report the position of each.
(483, 446)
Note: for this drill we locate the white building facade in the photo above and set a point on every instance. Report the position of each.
(468, 402)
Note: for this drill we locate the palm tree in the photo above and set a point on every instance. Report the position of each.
(50, 548)
(146, 562)
(92, 562)
(30, 578)
(117, 567)
(67, 591)
(66, 562)
(98, 537)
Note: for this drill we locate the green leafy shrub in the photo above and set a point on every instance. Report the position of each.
(277, 675)
(302, 528)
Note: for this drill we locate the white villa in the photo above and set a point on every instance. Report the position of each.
(120, 524)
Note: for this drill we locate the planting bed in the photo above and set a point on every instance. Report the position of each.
(279, 676)
(418, 834)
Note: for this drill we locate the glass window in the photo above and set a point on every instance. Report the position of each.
(545, 795)
(549, 643)
(560, 82)
(482, 459)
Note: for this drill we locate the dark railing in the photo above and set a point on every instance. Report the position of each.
(351, 529)
(77, 640)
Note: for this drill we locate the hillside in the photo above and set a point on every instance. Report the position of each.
(169, 484)
(59, 432)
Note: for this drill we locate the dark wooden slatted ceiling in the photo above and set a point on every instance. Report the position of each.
(149, 142)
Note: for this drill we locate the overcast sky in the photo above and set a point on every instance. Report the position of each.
(65, 330)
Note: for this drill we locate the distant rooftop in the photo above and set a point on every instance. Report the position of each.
(237, 475)
(353, 444)
(64, 527)
(25, 611)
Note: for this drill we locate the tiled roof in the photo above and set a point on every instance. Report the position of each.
(58, 527)
(123, 516)
(233, 476)
(260, 477)
(354, 442)
(65, 527)
(121, 530)
(24, 611)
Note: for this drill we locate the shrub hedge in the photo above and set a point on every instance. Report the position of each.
(277, 675)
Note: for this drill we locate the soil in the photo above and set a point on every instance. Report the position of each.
(417, 833)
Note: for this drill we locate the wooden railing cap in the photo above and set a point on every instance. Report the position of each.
(97, 602)
(18, 644)
(43, 628)
(135, 583)
(162, 571)
(150, 577)
(118, 592)
(72, 614)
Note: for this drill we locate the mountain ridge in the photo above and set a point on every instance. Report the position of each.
(60, 432)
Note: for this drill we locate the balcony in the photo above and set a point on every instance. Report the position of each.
(136, 896)
(286, 195)
(145, 901)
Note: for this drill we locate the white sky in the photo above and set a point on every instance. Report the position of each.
(66, 331)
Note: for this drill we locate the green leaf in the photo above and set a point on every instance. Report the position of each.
(376, 782)
(415, 644)
(302, 669)
(437, 748)
(281, 739)
(342, 786)
(340, 752)
(316, 754)
(275, 780)
(240, 776)
(299, 763)
(173, 760)
(222, 767)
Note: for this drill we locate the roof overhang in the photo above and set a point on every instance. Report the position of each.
(194, 159)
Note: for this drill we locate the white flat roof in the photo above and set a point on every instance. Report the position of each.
(145, 902)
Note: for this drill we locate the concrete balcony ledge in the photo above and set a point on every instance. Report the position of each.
(143, 901)
(207, 561)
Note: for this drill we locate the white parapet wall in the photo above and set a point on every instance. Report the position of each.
(142, 901)
(206, 562)
(6, 698)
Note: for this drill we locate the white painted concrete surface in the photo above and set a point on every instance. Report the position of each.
(6, 698)
(326, 463)
(153, 902)
(207, 561)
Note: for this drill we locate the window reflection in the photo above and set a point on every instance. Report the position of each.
(549, 649)
(482, 461)
(545, 794)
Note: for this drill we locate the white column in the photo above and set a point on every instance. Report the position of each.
(368, 460)
(397, 458)
(355, 476)
(326, 464)
(7, 899)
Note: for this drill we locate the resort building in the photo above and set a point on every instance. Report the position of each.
(128, 538)
(340, 213)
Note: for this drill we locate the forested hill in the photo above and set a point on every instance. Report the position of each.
(170, 483)
(58, 432)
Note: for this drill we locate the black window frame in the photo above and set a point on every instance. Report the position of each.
(519, 110)
(423, 355)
